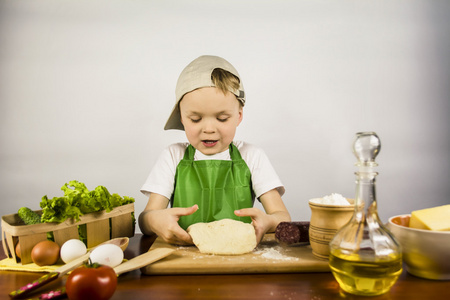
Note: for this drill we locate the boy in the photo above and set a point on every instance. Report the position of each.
(212, 177)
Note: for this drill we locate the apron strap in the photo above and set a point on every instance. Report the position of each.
(234, 153)
(189, 153)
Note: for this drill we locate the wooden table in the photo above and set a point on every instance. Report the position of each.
(314, 286)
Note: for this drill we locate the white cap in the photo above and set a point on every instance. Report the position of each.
(197, 75)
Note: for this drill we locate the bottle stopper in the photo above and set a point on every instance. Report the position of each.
(366, 147)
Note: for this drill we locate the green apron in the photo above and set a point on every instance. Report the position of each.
(219, 187)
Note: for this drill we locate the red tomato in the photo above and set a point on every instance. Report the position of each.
(91, 282)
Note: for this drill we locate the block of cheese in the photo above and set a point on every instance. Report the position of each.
(435, 218)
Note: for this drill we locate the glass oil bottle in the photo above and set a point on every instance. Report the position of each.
(365, 258)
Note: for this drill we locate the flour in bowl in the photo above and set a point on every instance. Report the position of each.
(333, 199)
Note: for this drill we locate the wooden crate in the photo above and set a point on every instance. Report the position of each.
(100, 227)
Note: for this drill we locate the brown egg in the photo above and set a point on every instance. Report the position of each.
(45, 253)
(18, 253)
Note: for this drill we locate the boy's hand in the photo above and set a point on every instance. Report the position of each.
(164, 223)
(275, 212)
(260, 220)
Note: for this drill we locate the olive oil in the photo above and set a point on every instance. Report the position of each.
(361, 277)
(365, 258)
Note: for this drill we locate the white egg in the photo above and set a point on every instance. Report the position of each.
(72, 249)
(107, 254)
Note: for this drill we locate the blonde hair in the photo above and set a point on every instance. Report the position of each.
(224, 80)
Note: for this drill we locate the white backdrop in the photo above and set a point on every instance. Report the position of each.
(86, 88)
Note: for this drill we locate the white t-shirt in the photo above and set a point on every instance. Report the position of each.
(162, 177)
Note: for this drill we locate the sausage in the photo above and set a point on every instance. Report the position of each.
(292, 232)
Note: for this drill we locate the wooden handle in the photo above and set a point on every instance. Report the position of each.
(143, 260)
(73, 264)
(121, 242)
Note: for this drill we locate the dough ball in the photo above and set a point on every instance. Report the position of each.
(223, 237)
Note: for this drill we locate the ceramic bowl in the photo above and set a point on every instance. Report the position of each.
(426, 253)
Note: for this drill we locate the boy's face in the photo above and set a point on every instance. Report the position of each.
(210, 119)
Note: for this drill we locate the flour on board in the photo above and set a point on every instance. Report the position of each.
(273, 253)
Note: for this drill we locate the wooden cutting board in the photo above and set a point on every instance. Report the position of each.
(268, 257)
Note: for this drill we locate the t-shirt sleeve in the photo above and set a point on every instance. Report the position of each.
(264, 176)
(161, 179)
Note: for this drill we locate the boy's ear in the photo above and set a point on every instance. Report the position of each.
(241, 116)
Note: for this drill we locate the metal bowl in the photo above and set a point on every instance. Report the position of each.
(426, 253)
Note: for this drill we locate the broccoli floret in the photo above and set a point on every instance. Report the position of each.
(29, 216)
